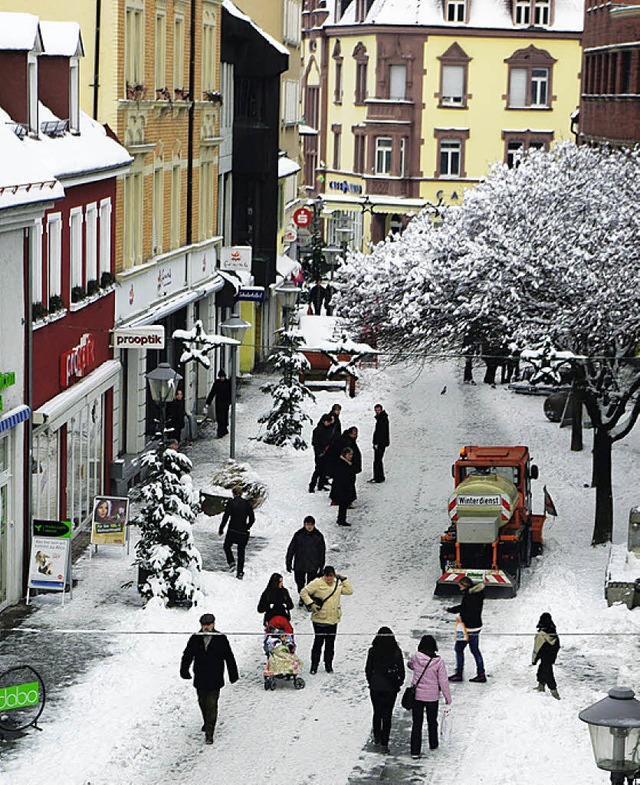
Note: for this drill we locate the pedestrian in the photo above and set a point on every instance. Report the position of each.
(350, 439)
(317, 295)
(306, 553)
(322, 598)
(221, 391)
(321, 441)
(343, 487)
(329, 291)
(241, 517)
(429, 679)
(275, 599)
(380, 442)
(470, 613)
(545, 651)
(176, 413)
(208, 650)
(336, 410)
(385, 675)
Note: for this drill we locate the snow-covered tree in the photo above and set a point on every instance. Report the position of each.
(547, 250)
(166, 549)
(285, 421)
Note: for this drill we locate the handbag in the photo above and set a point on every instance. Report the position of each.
(409, 695)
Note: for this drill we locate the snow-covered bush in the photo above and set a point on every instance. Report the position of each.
(234, 475)
(166, 550)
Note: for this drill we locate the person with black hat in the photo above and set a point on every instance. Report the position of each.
(221, 391)
(545, 651)
(208, 650)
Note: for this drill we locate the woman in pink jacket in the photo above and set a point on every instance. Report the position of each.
(430, 679)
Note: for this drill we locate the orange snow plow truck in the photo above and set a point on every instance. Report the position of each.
(493, 534)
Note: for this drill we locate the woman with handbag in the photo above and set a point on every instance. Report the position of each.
(429, 680)
(385, 675)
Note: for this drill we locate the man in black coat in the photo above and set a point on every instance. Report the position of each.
(306, 553)
(343, 488)
(241, 517)
(380, 442)
(208, 651)
(470, 612)
(221, 391)
(321, 441)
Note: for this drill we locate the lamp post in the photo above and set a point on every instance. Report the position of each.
(614, 726)
(234, 327)
(163, 384)
(288, 293)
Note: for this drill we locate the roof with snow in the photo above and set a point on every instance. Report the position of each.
(19, 32)
(493, 14)
(24, 178)
(62, 38)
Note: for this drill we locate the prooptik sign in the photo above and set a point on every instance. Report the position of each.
(149, 337)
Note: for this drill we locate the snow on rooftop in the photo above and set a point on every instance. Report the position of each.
(62, 38)
(24, 178)
(235, 11)
(18, 31)
(494, 14)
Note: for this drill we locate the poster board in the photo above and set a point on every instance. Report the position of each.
(110, 520)
(49, 561)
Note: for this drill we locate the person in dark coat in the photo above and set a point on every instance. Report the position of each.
(275, 599)
(221, 391)
(470, 612)
(350, 439)
(545, 651)
(317, 295)
(329, 291)
(343, 487)
(176, 413)
(241, 517)
(209, 651)
(385, 675)
(336, 410)
(306, 553)
(380, 442)
(321, 441)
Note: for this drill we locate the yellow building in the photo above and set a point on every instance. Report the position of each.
(414, 101)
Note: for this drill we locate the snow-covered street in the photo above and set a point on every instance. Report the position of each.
(128, 717)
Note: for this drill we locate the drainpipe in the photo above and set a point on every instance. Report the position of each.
(192, 106)
(96, 61)
(28, 430)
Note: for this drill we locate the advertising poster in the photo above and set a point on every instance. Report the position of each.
(109, 521)
(48, 563)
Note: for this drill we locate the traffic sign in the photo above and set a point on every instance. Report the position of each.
(302, 217)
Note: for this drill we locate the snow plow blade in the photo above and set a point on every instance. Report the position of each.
(499, 585)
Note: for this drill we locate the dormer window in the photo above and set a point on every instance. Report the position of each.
(542, 13)
(32, 93)
(74, 95)
(456, 10)
(523, 12)
(532, 12)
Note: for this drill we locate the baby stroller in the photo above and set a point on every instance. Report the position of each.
(280, 648)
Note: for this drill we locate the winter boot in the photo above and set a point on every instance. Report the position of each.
(457, 676)
(208, 739)
(479, 679)
(540, 687)
(312, 489)
(555, 694)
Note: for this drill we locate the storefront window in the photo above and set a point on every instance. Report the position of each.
(84, 461)
(45, 476)
(4, 454)
(4, 514)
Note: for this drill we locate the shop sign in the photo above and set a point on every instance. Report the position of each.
(142, 290)
(302, 217)
(149, 337)
(202, 263)
(79, 361)
(57, 529)
(254, 294)
(345, 187)
(290, 236)
(110, 519)
(236, 257)
(6, 380)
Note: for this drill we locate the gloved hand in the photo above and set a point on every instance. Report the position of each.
(185, 675)
(289, 569)
(220, 532)
(312, 608)
(341, 577)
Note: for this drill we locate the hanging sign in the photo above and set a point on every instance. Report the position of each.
(302, 217)
(151, 336)
(109, 521)
(236, 257)
(254, 294)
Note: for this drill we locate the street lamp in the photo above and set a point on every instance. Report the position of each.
(163, 384)
(234, 327)
(288, 293)
(614, 726)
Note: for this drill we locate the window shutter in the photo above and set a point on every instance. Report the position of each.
(518, 87)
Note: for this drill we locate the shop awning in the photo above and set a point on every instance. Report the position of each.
(376, 204)
(61, 408)
(287, 167)
(14, 417)
(172, 304)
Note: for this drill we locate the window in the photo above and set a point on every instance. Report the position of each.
(530, 72)
(456, 10)
(74, 95)
(398, 82)
(542, 12)
(91, 240)
(514, 153)
(358, 153)
(35, 258)
(132, 223)
(157, 228)
(54, 253)
(178, 53)
(384, 146)
(105, 236)
(337, 138)
(206, 194)
(290, 101)
(175, 203)
(517, 143)
(337, 93)
(450, 151)
(625, 72)
(161, 51)
(209, 51)
(452, 85)
(361, 83)
(523, 12)
(292, 22)
(311, 106)
(134, 43)
(75, 246)
(32, 93)
(403, 157)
